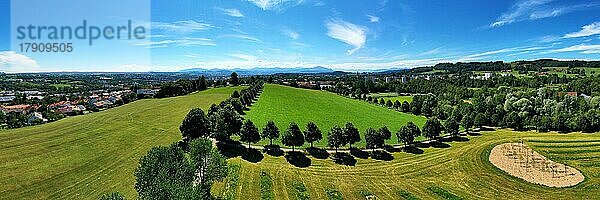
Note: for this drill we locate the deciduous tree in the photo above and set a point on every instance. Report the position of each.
(293, 136)
(249, 133)
(351, 134)
(312, 133)
(336, 137)
(433, 128)
(408, 133)
(373, 139)
(195, 125)
(270, 131)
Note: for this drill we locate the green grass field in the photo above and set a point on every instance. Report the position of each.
(392, 96)
(399, 98)
(461, 170)
(85, 156)
(284, 105)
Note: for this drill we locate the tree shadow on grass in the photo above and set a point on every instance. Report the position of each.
(455, 139)
(318, 153)
(439, 145)
(273, 150)
(391, 149)
(382, 155)
(486, 129)
(474, 133)
(298, 159)
(359, 153)
(231, 149)
(252, 155)
(435, 144)
(343, 159)
(412, 150)
(422, 145)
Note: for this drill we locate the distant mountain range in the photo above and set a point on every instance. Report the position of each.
(259, 71)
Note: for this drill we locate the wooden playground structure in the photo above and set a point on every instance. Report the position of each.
(523, 162)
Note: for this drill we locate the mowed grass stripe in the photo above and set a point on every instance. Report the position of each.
(85, 156)
(462, 169)
(284, 105)
(568, 145)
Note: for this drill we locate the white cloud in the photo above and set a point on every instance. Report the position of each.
(231, 12)
(348, 33)
(291, 34)
(583, 48)
(536, 9)
(13, 59)
(587, 30)
(183, 27)
(276, 5)
(373, 19)
(241, 37)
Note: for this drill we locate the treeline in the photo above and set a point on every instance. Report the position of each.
(223, 120)
(182, 87)
(472, 66)
(559, 63)
(537, 109)
(186, 86)
(527, 106)
(536, 65)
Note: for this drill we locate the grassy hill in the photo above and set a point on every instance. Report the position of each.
(85, 156)
(459, 169)
(284, 105)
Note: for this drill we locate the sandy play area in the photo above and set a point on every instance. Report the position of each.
(521, 161)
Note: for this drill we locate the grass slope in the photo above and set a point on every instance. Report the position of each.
(284, 105)
(85, 156)
(459, 171)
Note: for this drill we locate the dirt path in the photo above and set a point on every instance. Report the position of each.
(521, 161)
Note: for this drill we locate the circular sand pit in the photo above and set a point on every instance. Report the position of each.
(521, 161)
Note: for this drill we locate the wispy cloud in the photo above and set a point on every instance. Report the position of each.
(291, 34)
(184, 41)
(299, 45)
(14, 59)
(245, 57)
(536, 9)
(241, 37)
(276, 5)
(431, 52)
(587, 30)
(513, 51)
(231, 12)
(348, 33)
(583, 48)
(373, 19)
(183, 27)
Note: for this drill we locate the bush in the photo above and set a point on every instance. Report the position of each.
(445, 194)
(333, 194)
(112, 196)
(231, 181)
(266, 186)
(301, 191)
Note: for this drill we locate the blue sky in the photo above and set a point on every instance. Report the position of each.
(353, 35)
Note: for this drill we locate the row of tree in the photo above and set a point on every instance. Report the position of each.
(175, 172)
(221, 121)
